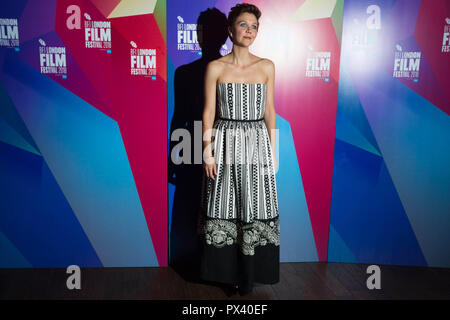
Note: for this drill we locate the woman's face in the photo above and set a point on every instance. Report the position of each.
(245, 29)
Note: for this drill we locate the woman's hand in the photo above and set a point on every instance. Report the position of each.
(210, 167)
(275, 163)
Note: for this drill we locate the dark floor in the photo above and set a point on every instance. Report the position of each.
(306, 280)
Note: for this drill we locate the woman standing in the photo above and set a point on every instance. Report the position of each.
(239, 223)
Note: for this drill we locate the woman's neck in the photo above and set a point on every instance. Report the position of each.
(240, 56)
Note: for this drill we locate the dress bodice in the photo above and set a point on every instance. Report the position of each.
(241, 101)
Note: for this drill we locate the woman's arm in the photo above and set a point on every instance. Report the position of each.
(209, 112)
(269, 113)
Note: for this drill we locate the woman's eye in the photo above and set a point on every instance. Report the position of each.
(254, 27)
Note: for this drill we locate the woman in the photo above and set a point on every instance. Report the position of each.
(239, 209)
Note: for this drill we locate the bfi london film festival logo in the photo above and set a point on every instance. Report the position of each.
(318, 64)
(446, 36)
(406, 64)
(9, 33)
(52, 60)
(188, 35)
(143, 61)
(365, 35)
(97, 33)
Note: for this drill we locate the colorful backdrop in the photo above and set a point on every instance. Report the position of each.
(362, 102)
(83, 105)
(390, 193)
(91, 103)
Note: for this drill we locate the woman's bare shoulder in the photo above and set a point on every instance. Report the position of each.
(261, 60)
(218, 63)
(214, 67)
(267, 63)
(268, 66)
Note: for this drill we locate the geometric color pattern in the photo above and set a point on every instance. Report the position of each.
(81, 183)
(362, 101)
(390, 199)
(290, 31)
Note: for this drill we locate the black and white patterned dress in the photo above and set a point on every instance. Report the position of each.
(238, 222)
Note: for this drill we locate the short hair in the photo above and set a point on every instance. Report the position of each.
(241, 8)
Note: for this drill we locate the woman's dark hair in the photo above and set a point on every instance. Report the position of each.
(241, 8)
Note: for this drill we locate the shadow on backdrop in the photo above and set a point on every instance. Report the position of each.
(187, 178)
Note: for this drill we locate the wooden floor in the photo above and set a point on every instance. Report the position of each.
(307, 280)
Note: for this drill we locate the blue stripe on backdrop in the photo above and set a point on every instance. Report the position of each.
(367, 213)
(85, 152)
(40, 229)
(10, 256)
(296, 236)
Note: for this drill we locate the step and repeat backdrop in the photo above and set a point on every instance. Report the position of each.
(390, 197)
(83, 104)
(100, 132)
(362, 101)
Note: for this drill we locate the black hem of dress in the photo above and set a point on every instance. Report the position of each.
(228, 265)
